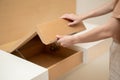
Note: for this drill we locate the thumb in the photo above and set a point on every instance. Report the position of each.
(58, 37)
(72, 23)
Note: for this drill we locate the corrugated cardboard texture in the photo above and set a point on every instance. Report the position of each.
(18, 17)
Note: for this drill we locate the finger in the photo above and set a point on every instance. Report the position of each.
(67, 16)
(72, 23)
(58, 37)
(63, 16)
(58, 43)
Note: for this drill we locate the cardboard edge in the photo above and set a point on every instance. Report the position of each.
(40, 36)
(8, 46)
(59, 19)
(78, 48)
(60, 68)
(92, 53)
(24, 40)
(38, 27)
(11, 46)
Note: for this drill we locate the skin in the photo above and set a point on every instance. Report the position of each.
(107, 30)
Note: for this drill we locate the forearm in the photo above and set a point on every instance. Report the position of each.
(107, 8)
(93, 35)
(98, 33)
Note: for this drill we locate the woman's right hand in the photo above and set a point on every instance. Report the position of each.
(75, 19)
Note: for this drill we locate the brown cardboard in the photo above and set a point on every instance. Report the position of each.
(47, 32)
(52, 28)
(59, 61)
(11, 46)
(65, 65)
(7, 47)
(18, 20)
(19, 17)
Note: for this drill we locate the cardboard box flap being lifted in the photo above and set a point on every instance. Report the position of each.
(47, 32)
(37, 47)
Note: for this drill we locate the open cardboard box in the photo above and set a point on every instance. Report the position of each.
(19, 17)
(39, 47)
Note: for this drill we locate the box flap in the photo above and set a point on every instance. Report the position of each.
(8, 46)
(19, 17)
(48, 31)
(11, 46)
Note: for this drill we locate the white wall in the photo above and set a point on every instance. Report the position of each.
(84, 6)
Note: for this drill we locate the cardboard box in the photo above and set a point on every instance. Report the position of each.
(15, 68)
(19, 17)
(39, 47)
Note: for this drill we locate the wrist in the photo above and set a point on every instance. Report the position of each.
(81, 17)
(74, 39)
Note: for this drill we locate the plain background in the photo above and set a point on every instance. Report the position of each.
(84, 6)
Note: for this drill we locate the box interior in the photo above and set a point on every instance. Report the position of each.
(43, 55)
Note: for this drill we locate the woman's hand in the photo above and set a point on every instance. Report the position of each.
(75, 19)
(65, 41)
